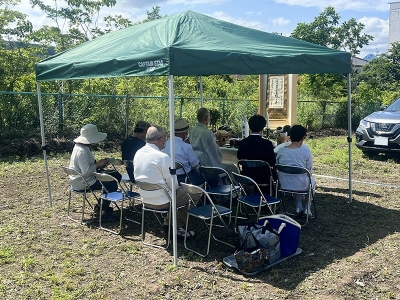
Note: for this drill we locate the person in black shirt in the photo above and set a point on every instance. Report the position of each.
(255, 147)
(132, 144)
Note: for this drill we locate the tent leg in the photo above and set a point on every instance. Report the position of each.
(43, 141)
(201, 91)
(172, 145)
(349, 136)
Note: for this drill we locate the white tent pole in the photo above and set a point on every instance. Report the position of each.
(349, 137)
(201, 91)
(43, 140)
(172, 144)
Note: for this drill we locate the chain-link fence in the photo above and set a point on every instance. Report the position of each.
(65, 114)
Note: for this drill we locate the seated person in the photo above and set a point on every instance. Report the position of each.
(82, 160)
(184, 154)
(152, 166)
(296, 155)
(132, 144)
(255, 147)
(205, 146)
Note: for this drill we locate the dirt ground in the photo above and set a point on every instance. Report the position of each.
(350, 251)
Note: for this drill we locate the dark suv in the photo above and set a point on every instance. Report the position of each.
(380, 131)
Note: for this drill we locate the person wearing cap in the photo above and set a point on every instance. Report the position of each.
(83, 161)
(132, 144)
(153, 166)
(184, 154)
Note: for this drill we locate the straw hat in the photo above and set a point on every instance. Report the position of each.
(90, 135)
(181, 125)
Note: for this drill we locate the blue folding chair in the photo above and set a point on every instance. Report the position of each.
(256, 200)
(117, 198)
(207, 213)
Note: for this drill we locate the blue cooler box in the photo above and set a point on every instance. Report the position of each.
(289, 232)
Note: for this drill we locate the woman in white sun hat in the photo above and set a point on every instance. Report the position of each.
(83, 161)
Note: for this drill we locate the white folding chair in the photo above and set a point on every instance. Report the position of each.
(84, 193)
(256, 200)
(116, 197)
(307, 193)
(207, 213)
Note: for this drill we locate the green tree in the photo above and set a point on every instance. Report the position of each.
(326, 30)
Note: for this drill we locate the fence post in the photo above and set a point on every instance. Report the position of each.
(60, 115)
(126, 115)
(181, 107)
(223, 111)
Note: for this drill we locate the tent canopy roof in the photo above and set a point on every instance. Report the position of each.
(189, 44)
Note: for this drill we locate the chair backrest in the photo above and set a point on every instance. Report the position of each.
(104, 177)
(293, 170)
(215, 171)
(212, 170)
(244, 181)
(70, 171)
(179, 166)
(252, 163)
(150, 187)
(260, 170)
(191, 189)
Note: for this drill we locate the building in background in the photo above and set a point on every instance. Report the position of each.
(394, 23)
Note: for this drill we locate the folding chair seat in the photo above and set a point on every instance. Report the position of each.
(84, 193)
(308, 193)
(146, 186)
(258, 170)
(117, 198)
(256, 200)
(226, 190)
(207, 213)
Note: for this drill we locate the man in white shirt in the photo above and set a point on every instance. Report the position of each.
(184, 154)
(152, 166)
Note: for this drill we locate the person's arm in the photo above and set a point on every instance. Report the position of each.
(86, 163)
(270, 154)
(192, 157)
(309, 162)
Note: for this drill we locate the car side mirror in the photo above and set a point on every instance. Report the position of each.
(383, 107)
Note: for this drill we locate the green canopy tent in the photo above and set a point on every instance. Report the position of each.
(189, 44)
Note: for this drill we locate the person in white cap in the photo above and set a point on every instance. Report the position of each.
(184, 154)
(83, 161)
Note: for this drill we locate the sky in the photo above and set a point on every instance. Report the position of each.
(280, 16)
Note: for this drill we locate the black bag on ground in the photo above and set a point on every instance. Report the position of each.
(251, 261)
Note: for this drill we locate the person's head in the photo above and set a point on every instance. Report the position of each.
(297, 133)
(203, 116)
(257, 123)
(90, 135)
(181, 128)
(141, 129)
(156, 135)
